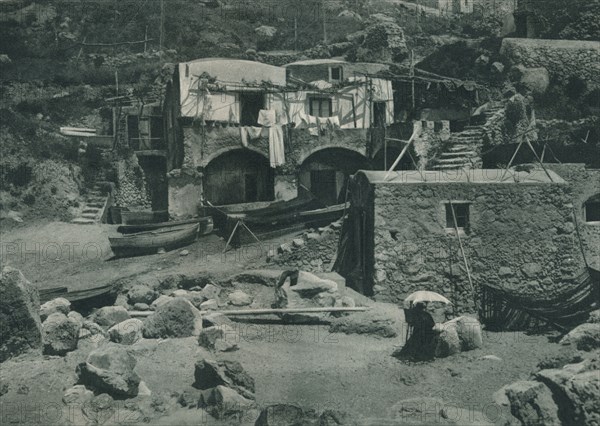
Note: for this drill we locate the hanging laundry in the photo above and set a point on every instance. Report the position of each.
(322, 123)
(249, 132)
(313, 131)
(334, 122)
(232, 116)
(282, 118)
(267, 117)
(276, 148)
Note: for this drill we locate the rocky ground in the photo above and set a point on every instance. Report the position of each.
(175, 366)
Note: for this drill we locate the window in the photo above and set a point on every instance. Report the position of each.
(461, 212)
(319, 106)
(335, 74)
(251, 104)
(592, 209)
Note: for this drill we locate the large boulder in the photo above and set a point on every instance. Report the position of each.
(126, 332)
(61, 334)
(176, 318)
(223, 402)
(532, 403)
(223, 338)
(162, 299)
(239, 298)
(20, 325)
(382, 320)
(110, 315)
(110, 369)
(309, 291)
(446, 340)
(209, 374)
(469, 332)
(141, 294)
(285, 414)
(60, 304)
(584, 337)
(575, 387)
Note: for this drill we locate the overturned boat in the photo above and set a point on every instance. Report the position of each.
(150, 242)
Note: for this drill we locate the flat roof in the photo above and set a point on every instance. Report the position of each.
(475, 176)
(234, 70)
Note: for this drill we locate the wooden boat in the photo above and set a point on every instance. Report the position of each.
(76, 295)
(206, 226)
(143, 217)
(150, 242)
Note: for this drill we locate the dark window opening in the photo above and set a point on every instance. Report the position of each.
(133, 131)
(592, 209)
(319, 107)
(336, 74)
(323, 185)
(461, 213)
(251, 104)
(379, 114)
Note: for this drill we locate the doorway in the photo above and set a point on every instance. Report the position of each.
(250, 104)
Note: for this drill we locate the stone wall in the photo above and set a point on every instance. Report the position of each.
(584, 184)
(131, 184)
(521, 238)
(313, 251)
(562, 58)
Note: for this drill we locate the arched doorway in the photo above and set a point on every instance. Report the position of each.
(238, 176)
(325, 173)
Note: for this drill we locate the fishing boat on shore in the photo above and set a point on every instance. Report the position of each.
(150, 242)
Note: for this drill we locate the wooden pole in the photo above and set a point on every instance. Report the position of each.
(412, 76)
(117, 81)
(464, 256)
(267, 311)
(295, 33)
(231, 236)
(162, 9)
(324, 24)
(146, 39)
(539, 160)
(511, 160)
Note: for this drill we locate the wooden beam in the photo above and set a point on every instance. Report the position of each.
(266, 311)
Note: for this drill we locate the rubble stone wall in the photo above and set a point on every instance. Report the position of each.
(584, 184)
(562, 58)
(521, 238)
(131, 184)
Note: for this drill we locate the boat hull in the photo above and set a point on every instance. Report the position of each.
(150, 242)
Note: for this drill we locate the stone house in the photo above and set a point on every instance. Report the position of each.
(518, 232)
(240, 132)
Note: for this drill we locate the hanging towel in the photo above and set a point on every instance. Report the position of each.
(267, 117)
(244, 136)
(249, 132)
(276, 148)
(232, 116)
(282, 118)
(334, 121)
(313, 131)
(322, 123)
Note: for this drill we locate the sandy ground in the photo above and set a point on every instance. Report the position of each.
(305, 365)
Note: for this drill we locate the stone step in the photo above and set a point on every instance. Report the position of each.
(450, 166)
(452, 154)
(459, 148)
(473, 128)
(89, 215)
(88, 209)
(94, 205)
(83, 221)
(458, 160)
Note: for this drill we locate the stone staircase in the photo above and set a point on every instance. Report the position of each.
(96, 202)
(463, 149)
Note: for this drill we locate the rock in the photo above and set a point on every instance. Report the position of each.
(19, 314)
(209, 305)
(222, 338)
(59, 304)
(60, 334)
(209, 374)
(491, 358)
(122, 300)
(505, 271)
(110, 315)
(143, 389)
(280, 415)
(224, 402)
(499, 397)
(184, 252)
(211, 291)
(310, 291)
(176, 318)
(78, 394)
(196, 298)
(532, 403)
(99, 410)
(584, 337)
(498, 67)
(482, 60)
(214, 319)
(350, 15)
(446, 340)
(110, 369)
(5, 59)
(468, 330)
(127, 332)
(531, 270)
(382, 320)
(94, 328)
(179, 293)
(594, 317)
(141, 307)
(76, 316)
(535, 79)
(417, 409)
(224, 345)
(141, 294)
(160, 301)
(239, 298)
(298, 242)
